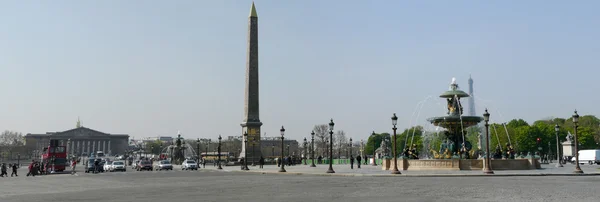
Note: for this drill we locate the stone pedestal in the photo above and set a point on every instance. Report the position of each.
(568, 148)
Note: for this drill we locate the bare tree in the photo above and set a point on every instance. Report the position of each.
(341, 141)
(12, 138)
(321, 133)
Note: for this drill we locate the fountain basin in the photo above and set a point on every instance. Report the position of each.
(454, 122)
(462, 164)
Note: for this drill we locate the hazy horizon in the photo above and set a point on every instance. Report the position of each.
(152, 68)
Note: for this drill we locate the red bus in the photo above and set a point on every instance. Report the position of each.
(56, 156)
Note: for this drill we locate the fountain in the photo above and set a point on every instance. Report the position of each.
(455, 124)
(179, 151)
(456, 153)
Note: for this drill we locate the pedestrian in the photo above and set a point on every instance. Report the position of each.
(358, 161)
(73, 164)
(30, 168)
(203, 163)
(96, 166)
(351, 162)
(3, 172)
(14, 170)
(261, 162)
(278, 162)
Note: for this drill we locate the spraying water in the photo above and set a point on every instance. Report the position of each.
(462, 129)
(495, 131)
(419, 106)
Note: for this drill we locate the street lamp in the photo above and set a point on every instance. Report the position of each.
(288, 150)
(273, 150)
(577, 168)
(219, 154)
(350, 149)
(487, 169)
(305, 156)
(558, 163)
(394, 122)
(198, 152)
(374, 160)
(253, 140)
(245, 151)
(331, 124)
(312, 149)
(68, 148)
(282, 169)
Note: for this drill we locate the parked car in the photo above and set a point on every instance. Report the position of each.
(163, 165)
(118, 166)
(189, 165)
(144, 165)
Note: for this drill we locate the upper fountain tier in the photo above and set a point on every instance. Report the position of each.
(455, 120)
(454, 92)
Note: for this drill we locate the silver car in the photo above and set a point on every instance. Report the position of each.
(118, 166)
(163, 165)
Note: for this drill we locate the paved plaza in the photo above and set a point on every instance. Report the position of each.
(302, 183)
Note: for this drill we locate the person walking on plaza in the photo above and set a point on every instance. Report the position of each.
(96, 166)
(30, 168)
(3, 172)
(358, 161)
(261, 162)
(203, 163)
(73, 164)
(352, 162)
(14, 170)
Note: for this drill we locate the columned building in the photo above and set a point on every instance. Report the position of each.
(82, 141)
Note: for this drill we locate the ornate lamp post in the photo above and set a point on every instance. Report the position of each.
(68, 148)
(558, 163)
(219, 154)
(487, 169)
(331, 124)
(198, 152)
(374, 160)
(312, 149)
(394, 122)
(288, 150)
(245, 151)
(305, 155)
(282, 169)
(253, 140)
(575, 121)
(350, 156)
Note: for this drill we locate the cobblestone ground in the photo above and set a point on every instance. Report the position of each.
(233, 185)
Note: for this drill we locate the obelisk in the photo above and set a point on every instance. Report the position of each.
(251, 123)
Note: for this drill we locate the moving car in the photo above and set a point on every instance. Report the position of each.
(107, 166)
(144, 165)
(118, 166)
(90, 165)
(164, 165)
(189, 165)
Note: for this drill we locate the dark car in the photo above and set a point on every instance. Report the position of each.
(144, 165)
(90, 165)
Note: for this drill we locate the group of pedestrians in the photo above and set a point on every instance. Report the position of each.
(4, 170)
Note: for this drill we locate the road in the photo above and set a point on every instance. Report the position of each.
(233, 185)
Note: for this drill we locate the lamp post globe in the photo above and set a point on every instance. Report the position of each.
(575, 122)
(312, 149)
(486, 165)
(245, 151)
(331, 125)
(558, 163)
(282, 169)
(394, 122)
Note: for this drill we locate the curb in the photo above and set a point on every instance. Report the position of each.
(417, 175)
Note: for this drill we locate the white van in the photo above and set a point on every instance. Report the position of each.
(590, 156)
(100, 154)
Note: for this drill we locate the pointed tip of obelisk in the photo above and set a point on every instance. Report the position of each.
(253, 11)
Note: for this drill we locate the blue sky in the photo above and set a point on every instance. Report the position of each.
(149, 68)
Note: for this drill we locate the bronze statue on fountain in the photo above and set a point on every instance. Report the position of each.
(178, 151)
(455, 145)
